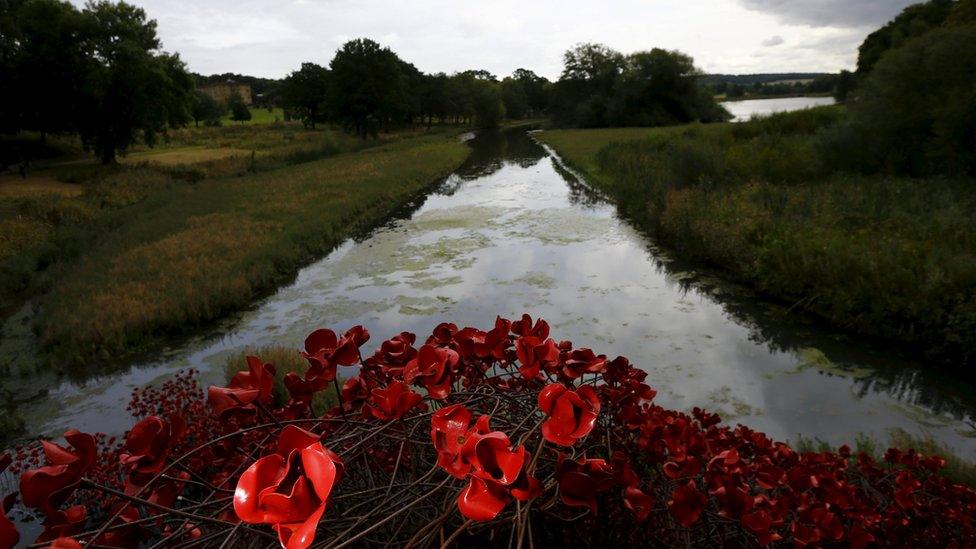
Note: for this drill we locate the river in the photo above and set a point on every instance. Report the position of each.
(514, 231)
(746, 109)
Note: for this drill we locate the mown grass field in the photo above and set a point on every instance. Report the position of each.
(259, 116)
(882, 256)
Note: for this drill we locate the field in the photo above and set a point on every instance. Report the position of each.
(259, 116)
(156, 247)
(882, 256)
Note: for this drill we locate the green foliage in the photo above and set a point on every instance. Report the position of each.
(915, 113)
(369, 87)
(206, 109)
(303, 93)
(239, 111)
(131, 87)
(601, 87)
(882, 256)
(914, 21)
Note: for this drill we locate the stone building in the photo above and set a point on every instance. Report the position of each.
(223, 91)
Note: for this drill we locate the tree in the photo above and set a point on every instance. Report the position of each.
(46, 66)
(305, 92)
(369, 88)
(131, 86)
(238, 109)
(487, 105)
(536, 88)
(514, 97)
(845, 84)
(915, 113)
(206, 109)
(912, 22)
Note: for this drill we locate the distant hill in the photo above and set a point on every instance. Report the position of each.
(766, 78)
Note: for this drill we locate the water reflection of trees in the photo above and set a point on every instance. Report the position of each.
(869, 367)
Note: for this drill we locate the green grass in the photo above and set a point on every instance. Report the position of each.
(191, 253)
(259, 116)
(958, 469)
(285, 361)
(882, 256)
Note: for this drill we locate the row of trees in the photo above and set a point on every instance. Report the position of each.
(98, 72)
(602, 87)
(368, 88)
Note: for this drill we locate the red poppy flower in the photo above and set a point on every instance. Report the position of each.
(301, 391)
(443, 334)
(760, 523)
(482, 499)
(392, 402)
(687, 504)
(355, 392)
(581, 361)
(535, 354)
(65, 543)
(581, 481)
(245, 388)
(8, 533)
(572, 414)
(290, 488)
(46, 488)
(324, 351)
(60, 524)
(526, 486)
(491, 455)
(525, 328)
(392, 356)
(148, 445)
(449, 428)
(432, 369)
(495, 342)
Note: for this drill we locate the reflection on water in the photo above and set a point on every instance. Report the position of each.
(744, 110)
(515, 231)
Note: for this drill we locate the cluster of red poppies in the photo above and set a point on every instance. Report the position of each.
(600, 448)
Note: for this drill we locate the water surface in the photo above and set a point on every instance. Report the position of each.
(746, 109)
(514, 231)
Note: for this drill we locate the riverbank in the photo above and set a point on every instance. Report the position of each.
(883, 257)
(173, 254)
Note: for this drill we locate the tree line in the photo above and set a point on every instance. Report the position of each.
(100, 72)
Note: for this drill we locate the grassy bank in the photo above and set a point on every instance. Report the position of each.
(285, 361)
(191, 253)
(882, 256)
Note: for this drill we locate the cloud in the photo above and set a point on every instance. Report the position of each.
(773, 41)
(830, 13)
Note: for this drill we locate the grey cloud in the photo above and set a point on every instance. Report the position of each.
(830, 13)
(773, 41)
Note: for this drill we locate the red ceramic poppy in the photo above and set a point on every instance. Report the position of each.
(449, 428)
(393, 354)
(46, 488)
(687, 504)
(245, 388)
(535, 354)
(482, 499)
(8, 533)
(491, 455)
(572, 414)
(289, 489)
(392, 402)
(581, 481)
(495, 342)
(432, 369)
(65, 543)
(581, 361)
(148, 445)
(65, 523)
(324, 351)
(525, 328)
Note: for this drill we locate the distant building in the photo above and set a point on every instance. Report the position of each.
(223, 91)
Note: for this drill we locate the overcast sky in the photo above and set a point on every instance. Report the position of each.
(273, 37)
